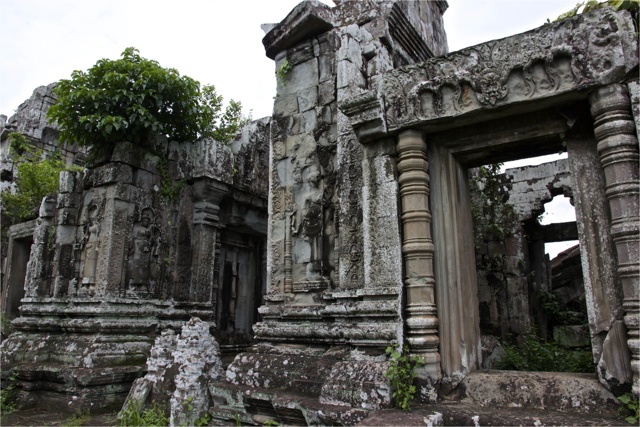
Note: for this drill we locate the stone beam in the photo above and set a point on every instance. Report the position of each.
(559, 232)
(308, 19)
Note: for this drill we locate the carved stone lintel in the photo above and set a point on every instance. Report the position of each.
(575, 54)
(618, 150)
(417, 251)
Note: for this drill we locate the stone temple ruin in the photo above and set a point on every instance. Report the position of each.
(342, 224)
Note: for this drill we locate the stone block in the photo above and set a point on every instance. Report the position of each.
(112, 173)
(302, 76)
(68, 182)
(309, 121)
(560, 391)
(372, 391)
(328, 42)
(67, 216)
(574, 336)
(326, 92)
(285, 105)
(327, 67)
(350, 77)
(300, 53)
(307, 99)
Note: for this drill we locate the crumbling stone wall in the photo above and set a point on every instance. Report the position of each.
(30, 120)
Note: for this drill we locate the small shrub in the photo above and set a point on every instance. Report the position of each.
(283, 70)
(203, 420)
(401, 373)
(133, 415)
(6, 328)
(536, 354)
(631, 408)
(7, 395)
(558, 313)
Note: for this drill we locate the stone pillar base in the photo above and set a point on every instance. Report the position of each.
(86, 352)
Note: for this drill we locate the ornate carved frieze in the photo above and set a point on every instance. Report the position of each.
(575, 54)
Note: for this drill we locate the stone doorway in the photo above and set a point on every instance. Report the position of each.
(241, 290)
(18, 251)
(485, 104)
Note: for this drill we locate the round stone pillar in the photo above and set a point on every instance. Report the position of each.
(618, 150)
(417, 251)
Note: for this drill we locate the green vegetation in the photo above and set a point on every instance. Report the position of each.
(79, 419)
(631, 408)
(36, 175)
(6, 328)
(493, 216)
(203, 420)
(401, 373)
(133, 415)
(557, 313)
(133, 99)
(283, 70)
(8, 395)
(535, 354)
(633, 6)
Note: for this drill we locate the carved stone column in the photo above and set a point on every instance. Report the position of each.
(618, 150)
(205, 233)
(417, 251)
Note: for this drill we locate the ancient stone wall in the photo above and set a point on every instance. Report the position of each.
(334, 219)
(30, 120)
(132, 246)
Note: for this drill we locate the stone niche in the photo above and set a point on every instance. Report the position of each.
(140, 242)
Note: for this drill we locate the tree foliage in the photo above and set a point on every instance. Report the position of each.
(36, 175)
(493, 216)
(133, 98)
(588, 5)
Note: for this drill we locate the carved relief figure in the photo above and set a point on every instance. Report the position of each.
(309, 221)
(140, 251)
(91, 250)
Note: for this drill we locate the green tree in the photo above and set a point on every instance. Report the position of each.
(36, 175)
(133, 98)
(633, 6)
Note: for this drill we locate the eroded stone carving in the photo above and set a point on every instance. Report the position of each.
(91, 250)
(553, 59)
(587, 50)
(141, 250)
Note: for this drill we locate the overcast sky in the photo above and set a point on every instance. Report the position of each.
(213, 41)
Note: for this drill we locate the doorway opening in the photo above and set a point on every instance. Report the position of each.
(528, 296)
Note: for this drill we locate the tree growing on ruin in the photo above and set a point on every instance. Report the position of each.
(134, 98)
(36, 175)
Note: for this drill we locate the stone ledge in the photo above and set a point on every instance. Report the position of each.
(309, 19)
(562, 391)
